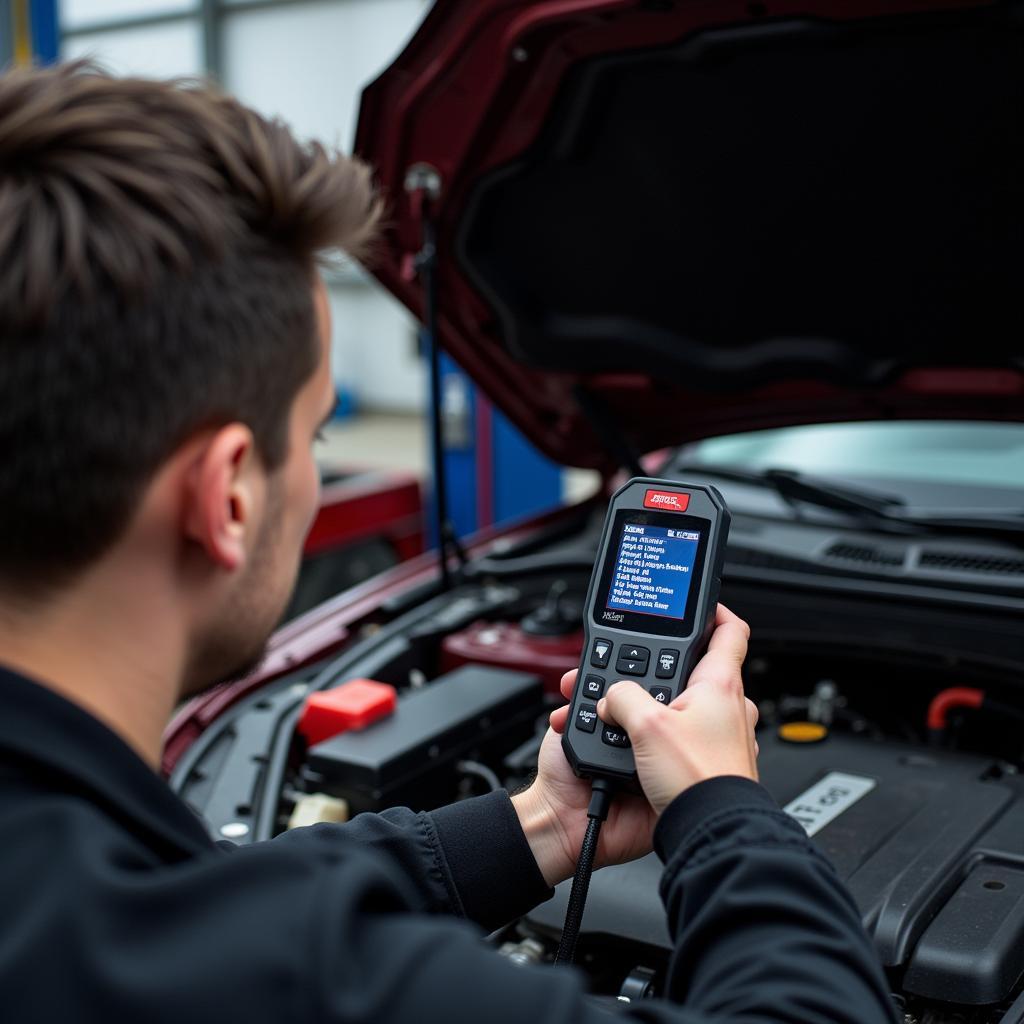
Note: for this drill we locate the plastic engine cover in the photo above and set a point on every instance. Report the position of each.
(932, 850)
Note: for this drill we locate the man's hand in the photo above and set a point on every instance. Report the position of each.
(707, 731)
(554, 810)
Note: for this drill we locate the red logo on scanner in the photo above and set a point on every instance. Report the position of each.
(671, 501)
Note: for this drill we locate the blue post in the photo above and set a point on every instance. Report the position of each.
(493, 473)
(43, 29)
(525, 482)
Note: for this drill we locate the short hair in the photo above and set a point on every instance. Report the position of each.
(158, 242)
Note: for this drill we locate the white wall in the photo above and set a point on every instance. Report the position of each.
(306, 63)
(154, 51)
(375, 351)
(76, 13)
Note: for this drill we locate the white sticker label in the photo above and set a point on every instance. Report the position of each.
(827, 799)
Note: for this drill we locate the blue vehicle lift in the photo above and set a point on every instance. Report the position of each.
(493, 473)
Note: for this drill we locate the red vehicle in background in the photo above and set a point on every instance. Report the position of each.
(368, 521)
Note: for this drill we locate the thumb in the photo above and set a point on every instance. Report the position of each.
(628, 706)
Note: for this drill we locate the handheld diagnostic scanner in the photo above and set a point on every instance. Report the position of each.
(650, 610)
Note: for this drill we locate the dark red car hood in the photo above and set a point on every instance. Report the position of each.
(660, 220)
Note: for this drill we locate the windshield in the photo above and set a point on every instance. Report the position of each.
(965, 456)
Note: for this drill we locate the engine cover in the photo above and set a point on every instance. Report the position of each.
(930, 845)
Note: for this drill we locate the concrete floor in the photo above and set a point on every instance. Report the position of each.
(378, 440)
(397, 441)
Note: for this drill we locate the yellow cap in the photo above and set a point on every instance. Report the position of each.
(802, 732)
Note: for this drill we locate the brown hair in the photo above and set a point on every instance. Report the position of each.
(157, 247)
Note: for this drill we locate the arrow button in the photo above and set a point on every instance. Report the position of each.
(633, 661)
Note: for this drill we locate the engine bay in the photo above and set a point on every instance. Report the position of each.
(889, 728)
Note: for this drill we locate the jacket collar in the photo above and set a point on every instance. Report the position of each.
(60, 747)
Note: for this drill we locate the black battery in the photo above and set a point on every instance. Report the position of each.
(409, 758)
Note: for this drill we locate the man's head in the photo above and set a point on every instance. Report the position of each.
(164, 362)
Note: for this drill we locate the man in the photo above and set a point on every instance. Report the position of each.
(164, 340)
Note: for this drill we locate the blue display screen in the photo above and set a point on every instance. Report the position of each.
(653, 570)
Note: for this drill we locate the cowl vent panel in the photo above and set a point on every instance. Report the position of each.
(865, 554)
(989, 565)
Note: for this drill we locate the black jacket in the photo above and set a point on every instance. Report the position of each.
(115, 905)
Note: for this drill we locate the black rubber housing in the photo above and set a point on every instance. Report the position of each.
(589, 756)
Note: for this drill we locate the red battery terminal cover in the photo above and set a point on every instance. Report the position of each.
(353, 705)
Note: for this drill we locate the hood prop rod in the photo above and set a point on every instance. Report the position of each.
(423, 184)
(601, 421)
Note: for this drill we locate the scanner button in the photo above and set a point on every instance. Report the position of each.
(614, 737)
(662, 694)
(634, 653)
(586, 717)
(668, 662)
(601, 653)
(593, 687)
(631, 666)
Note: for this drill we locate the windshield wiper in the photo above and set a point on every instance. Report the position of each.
(875, 509)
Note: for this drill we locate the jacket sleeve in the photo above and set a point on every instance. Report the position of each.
(764, 932)
(341, 925)
(469, 859)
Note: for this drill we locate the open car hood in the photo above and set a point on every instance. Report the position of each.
(660, 220)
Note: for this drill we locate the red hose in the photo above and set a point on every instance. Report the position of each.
(955, 697)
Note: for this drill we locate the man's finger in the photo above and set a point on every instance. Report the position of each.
(724, 614)
(752, 713)
(567, 683)
(558, 718)
(730, 631)
(628, 705)
(726, 651)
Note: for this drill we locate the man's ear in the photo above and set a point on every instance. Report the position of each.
(223, 495)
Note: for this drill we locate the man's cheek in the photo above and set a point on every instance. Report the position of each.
(313, 499)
